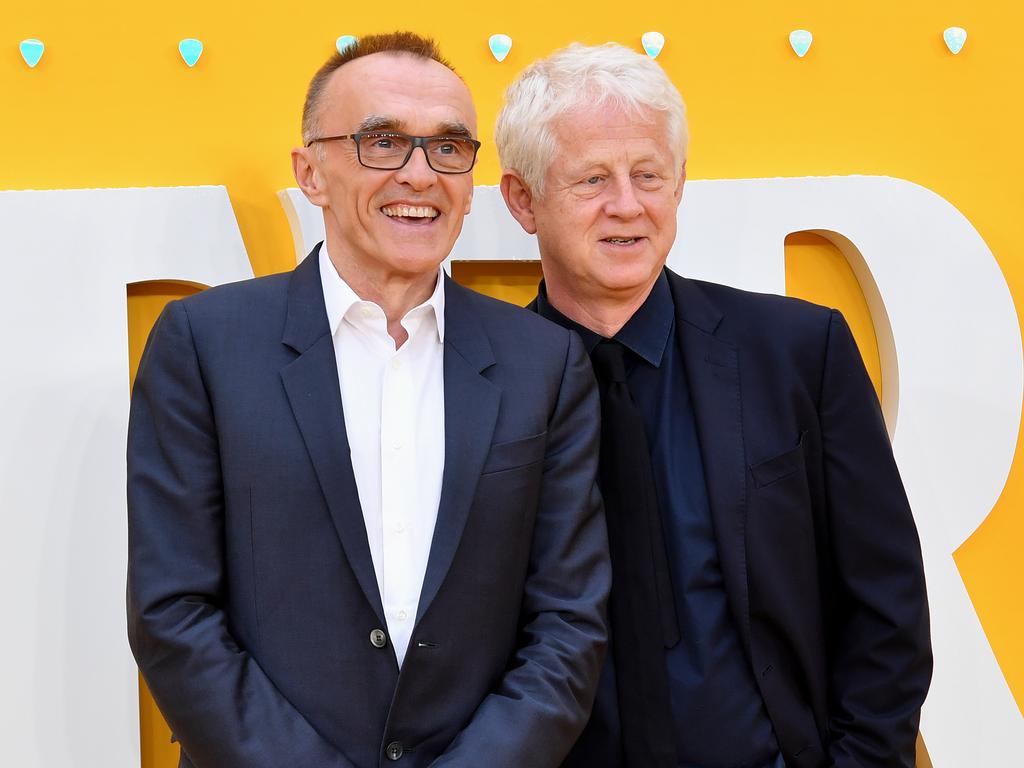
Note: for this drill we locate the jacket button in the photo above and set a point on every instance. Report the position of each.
(378, 640)
(394, 750)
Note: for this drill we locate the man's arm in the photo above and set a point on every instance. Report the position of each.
(880, 654)
(222, 707)
(540, 706)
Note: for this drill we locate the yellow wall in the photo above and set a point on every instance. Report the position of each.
(112, 105)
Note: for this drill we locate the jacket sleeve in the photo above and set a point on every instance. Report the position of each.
(539, 708)
(224, 710)
(880, 658)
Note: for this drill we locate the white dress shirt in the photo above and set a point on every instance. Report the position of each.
(394, 417)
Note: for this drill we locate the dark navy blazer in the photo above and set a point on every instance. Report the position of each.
(819, 554)
(251, 591)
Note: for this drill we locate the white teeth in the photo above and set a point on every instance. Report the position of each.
(411, 211)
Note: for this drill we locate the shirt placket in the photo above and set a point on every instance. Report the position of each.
(398, 491)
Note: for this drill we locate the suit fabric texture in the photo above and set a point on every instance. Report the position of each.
(253, 607)
(820, 557)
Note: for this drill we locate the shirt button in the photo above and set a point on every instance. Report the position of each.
(378, 639)
(396, 363)
(402, 615)
(367, 311)
(400, 528)
(394, 750)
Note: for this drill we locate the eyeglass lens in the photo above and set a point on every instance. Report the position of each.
(389, 151)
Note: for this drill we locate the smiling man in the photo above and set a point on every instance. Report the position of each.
(769, 607)
(363, 521)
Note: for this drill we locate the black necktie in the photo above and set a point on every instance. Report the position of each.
(642, 608)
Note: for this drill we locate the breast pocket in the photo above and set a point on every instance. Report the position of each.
(781, 518)
(513, 454)
(779, 467)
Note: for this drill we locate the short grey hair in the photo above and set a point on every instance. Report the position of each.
(395, 43)
(580, 76)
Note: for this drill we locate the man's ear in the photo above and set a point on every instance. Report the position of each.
(519, 200)
(307, 176)
(679, 186)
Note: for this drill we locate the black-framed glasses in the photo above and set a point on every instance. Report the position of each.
(390, 150)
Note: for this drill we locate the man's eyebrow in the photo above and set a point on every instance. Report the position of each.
(455, 128)
(380, 123)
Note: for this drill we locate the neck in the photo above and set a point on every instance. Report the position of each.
(394, 292)
(604, 313)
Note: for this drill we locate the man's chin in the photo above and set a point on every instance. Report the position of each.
(625, 282)
(412, 261)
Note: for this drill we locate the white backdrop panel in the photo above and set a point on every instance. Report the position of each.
(70, 693)
(953, 379)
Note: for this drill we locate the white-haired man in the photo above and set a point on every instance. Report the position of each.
(768, 608)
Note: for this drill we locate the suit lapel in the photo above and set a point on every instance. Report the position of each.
(470, 413)
(712, 371)
(311, 383)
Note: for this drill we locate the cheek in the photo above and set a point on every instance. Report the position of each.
(459, 191)
(666, 225)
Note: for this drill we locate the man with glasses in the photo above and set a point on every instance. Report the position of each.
(364, 527)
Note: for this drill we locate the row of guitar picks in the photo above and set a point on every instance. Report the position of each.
(500, 44)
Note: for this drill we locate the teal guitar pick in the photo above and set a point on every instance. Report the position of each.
(31, 51)
(652, 42)
(500, 45)
(344, 42)
(190, 50)
(954, 37)
(800, 41)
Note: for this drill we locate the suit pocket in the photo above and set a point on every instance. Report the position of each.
(513, 454)
(778, 467)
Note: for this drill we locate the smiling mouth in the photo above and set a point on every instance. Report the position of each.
(411, 214)
(620, 240)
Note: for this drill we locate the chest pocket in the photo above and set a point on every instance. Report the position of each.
(779, 467)
(513, 454)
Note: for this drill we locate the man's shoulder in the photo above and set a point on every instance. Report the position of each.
(503, 319)
(748, 314)
(255, 296)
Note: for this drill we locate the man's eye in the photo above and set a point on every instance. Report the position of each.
(648, 179)
(382, 142)
(448, 148)
(592, 180)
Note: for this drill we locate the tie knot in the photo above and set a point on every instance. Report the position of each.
(609, 362)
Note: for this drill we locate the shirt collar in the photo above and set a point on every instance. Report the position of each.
(339, 297)
(646, 333)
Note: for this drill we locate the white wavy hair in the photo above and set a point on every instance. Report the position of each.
(581, 76)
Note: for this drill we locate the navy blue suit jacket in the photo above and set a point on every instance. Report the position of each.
(251, 590)
(818, 548)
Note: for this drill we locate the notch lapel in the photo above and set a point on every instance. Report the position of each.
(712, 371)
(311, 383)
(470, 413)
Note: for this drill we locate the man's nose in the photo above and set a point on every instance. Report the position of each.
(622, 200)
(417, 173)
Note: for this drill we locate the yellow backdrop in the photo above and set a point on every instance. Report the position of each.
(112, 105)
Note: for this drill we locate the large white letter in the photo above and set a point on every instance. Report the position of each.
(70, 684)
